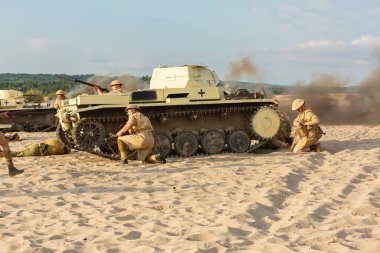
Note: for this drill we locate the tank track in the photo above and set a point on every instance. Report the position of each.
(168, 115)
(42, 120)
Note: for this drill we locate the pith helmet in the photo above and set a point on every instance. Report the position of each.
(132, 107)
(116, 82)
(297, 103)
(60, 92)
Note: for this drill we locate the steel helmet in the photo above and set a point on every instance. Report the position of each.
(132, 107)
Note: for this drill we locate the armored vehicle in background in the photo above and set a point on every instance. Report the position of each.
(24, 116)
(188, 108)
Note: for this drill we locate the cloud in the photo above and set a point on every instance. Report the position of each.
(322, 44)
(38, 43)
(366, 40)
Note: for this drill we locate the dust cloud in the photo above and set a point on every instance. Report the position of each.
(358, 105)
(130, 83)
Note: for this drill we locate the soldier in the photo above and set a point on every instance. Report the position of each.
(6, 153)
(306, 124)
(45, 148)
(116, 86)
(60, 96)
(140, 137)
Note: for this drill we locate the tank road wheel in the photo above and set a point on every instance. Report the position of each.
(65, 137)
(88, 133)
(238, 141)
(162, 144)
(212, 142)
(36, 127)
(186, 144)
(265, 123)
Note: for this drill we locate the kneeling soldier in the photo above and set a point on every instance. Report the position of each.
(140, 137)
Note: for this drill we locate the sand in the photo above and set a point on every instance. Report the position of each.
(261, 202)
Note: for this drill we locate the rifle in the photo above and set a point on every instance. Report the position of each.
(294, 140)
(86, 83)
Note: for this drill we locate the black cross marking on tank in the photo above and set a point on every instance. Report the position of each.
(6, 102)
(201, 93)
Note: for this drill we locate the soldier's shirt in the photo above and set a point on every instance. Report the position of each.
(113, 92)
(139, 123)
(306, 116)
(57, 103)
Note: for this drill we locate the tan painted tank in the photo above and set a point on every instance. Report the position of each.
(24, 116)
(189, 109)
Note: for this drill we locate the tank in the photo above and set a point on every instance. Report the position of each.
(189, 110)
(24, 116)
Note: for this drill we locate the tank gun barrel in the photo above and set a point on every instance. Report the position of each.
(85, 83)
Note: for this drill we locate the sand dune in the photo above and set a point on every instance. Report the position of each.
(260, 202)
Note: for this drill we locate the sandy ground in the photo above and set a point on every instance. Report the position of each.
(260, 202)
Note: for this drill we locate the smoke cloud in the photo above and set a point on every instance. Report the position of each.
(241, 68)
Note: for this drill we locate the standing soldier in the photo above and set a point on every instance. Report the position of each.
(306, 124)
(140, 137)
(60, 96)
(7, 151)
(116, 86)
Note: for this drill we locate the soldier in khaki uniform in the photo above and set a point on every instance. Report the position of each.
(60, 96)
(116, 88)
(45, 148)
(6, 153)
(307, 125)
(140, 137)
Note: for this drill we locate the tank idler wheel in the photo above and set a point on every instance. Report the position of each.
(25, 127)
(88, 134)
(238, 141)
(213, 142)
(186, 144)
(162, 144)
(65, 137)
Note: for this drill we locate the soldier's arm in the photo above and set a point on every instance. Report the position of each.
(100, 92)
(312, 119)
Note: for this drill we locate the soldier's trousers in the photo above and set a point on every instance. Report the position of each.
(308, 139)
(142, 142)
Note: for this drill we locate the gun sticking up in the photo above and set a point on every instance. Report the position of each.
(86, 83)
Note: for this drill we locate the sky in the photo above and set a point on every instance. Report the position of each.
(287, 41)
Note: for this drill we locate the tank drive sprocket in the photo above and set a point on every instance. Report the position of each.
(88, 133)
(213, 142)
(264, 123)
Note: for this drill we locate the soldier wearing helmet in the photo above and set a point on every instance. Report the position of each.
(140, 137)
(116, 88)
(307, 126)
(60, 96)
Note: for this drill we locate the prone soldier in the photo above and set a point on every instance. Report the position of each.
(45, 148)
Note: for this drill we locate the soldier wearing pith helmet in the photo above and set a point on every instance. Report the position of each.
(307, 126)
(60, 96)
(140, 137)
(116, 88)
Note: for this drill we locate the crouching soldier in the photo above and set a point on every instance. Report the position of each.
(48, 147)
(140, 137)
(307, 126)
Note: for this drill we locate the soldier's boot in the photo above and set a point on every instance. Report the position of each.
(318, 147)
(11, 168)
(123, 150)
(15, 137)
(155, 159)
